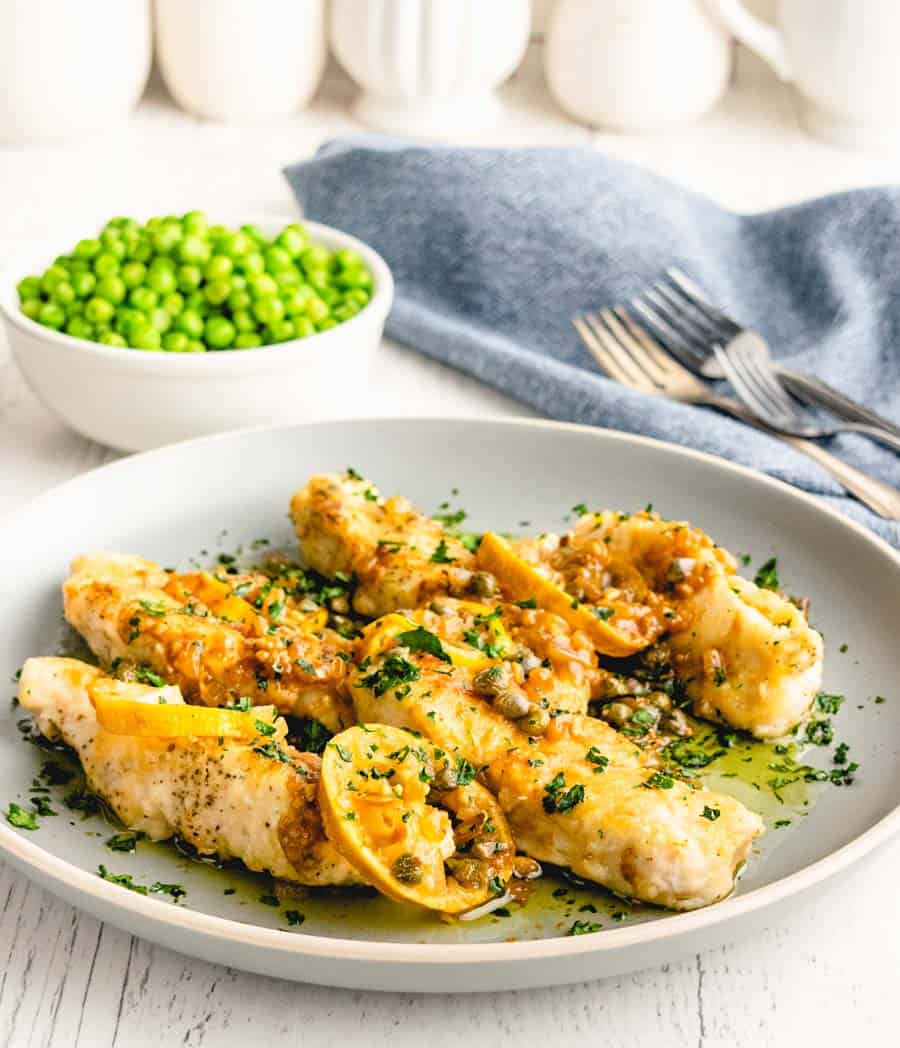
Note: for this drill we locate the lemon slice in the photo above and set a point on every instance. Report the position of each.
(413, 821)
(131, 709)
(381, 634)
(522, 581)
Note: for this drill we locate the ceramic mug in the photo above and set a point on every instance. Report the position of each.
(842, 56)
(68, 68)
(429, 67)
(636, 64)
(241, 60)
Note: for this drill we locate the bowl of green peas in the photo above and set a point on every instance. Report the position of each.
(148, 333)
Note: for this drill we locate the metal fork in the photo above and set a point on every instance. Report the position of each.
(754, 381)
(690, 327)
(628, 354)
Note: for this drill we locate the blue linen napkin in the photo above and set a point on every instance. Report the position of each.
(494, 250)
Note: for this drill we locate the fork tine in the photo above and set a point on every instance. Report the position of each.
(736, 376)
(696, 297)
(641, 377)
(605, 351)
(691, 316)
(661, 326)
(666, 363)
(768, 383)
(635, 348)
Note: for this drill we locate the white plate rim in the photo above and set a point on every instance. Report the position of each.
(27, 854)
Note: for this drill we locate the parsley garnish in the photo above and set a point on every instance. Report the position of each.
(393, 672)
(829, 703)
(124, 842)
(465, 772)
(144, 675)
(603, 614)
(710, 813)
(584, 928)
(440, 554)
(659, 781)
(294, 917)
(767, 576)
(529, 603)
(421, 640)
(270, 900)
(263, 728)
(559, 800)
(599, 759)
(820, 732)
(21, 819)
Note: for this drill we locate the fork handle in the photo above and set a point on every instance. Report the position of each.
(879, 497)
(814, 390)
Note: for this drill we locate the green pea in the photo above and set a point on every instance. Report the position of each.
(31, 307)
(112, 338)
(262, 286)
(293, 239)
(196, 300)
(236, 244)
(99, 310)
(239, 300)
(113, 243)
(112, 288)
(194, 250)
(52, 277)
(145, 338)
(173, 303)
(141, 251)
(283, 330)
(296, 301)
(315, 257)
(189, 278)
(160, 319)
(347, 258)
(88, 248)
(51, 315)
(134, 274)
(194, 222)
(162, 280)
(196, 346)
(217, 291)
(304, 327)
(247, 340)
(329, 295)
(317, 310)
(63, 293)
(254, 232)
(176, 342)
(251, 263)
(143, 298)
(326, 324)
(288, 278)
(244, 321)
(190, 322)
(219, 267)
(105, 264)
(166, 238)
(357, 295)
(268, 310)
(83, 284)
(29, 287)
(219, 332)
(75, 308)
(318, 279)
(351, 278)
(276, 259)
(78, 327)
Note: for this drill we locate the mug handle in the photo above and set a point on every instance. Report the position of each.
(754, 33)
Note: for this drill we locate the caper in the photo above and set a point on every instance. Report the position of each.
(407, 869)
(513, 704)
(617, 713)
(339, 605)
(660, 700)
(469, 872)
(526, 869)
(484, 585)
(445, 778)
(493, 681)
(537, 721)
(675, 723)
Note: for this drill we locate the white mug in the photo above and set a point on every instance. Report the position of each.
(842, 56)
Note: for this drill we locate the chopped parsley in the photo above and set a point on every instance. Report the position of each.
(440, 554)
(21, 819)
(124, 842)
(603, 614)
(710, 813)
(767, 576)
(42, 805)
(581, 927)
(422, 640)
(270, 900)
(558, 799)
(659, 781)
(144, 675)
(529, 603)
(393, 672)
(580, 509)
(125, 880)
(820, 732)
(264, 728)
(465, 772)
(829, 703)
(294, 917)
(156, 608)
(600, 760)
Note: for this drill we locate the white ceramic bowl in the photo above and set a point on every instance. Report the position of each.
(134, 400)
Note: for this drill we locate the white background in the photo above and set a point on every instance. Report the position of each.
(828, 975)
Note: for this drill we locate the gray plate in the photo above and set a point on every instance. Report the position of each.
(218, 493)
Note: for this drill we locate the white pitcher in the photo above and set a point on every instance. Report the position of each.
(636, 64)
(429, 67)
(842, 55)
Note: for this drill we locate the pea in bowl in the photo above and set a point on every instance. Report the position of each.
(178, 379)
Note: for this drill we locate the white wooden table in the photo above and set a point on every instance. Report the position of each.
(828, 976)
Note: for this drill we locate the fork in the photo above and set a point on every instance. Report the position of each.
(753, 379)
(628, 354)
(677, 312)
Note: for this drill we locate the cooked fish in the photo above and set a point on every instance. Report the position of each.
(399, 557)
(130, 609)
(227, 797)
